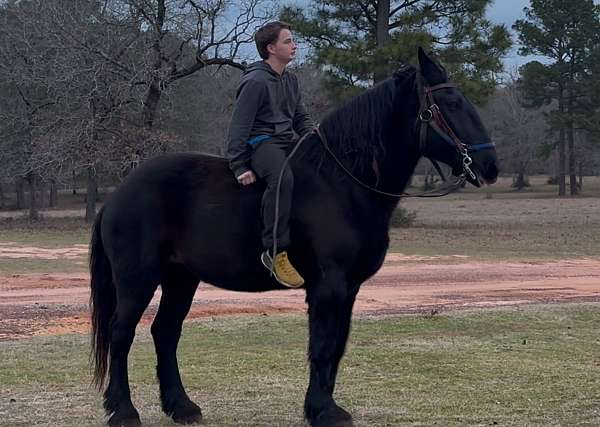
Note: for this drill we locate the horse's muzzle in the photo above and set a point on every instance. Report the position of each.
(490, 173)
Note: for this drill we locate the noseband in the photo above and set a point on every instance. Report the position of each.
(430, 115)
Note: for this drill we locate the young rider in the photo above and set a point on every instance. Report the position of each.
(268, 111)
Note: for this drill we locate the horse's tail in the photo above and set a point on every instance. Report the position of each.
(102, 304)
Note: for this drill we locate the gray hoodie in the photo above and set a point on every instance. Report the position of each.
(267, 105)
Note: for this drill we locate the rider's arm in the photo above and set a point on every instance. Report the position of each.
(249, 98)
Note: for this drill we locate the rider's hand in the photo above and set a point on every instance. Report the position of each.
(246, 178)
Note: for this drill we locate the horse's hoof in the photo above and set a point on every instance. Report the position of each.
(333, 416)
(124, 420)
(187, 413)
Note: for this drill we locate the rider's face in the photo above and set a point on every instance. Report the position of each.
(284, 48)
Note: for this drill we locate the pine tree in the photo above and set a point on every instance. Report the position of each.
(361, 42)
(567, 34)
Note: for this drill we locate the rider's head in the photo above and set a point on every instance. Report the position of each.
(274, 40)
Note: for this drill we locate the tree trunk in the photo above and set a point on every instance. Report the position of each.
(53, 194)
(1, 196)
(156, 86)
(580, 183)
(562, 157)
(90, 199)
(34, 214)
(520, 182)
(151, 104)
(382, 34)
(42, 193)
(74, 183)
(572, 162)
(20, 188)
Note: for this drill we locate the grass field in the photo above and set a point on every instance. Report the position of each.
(517, 367)
(51, 233)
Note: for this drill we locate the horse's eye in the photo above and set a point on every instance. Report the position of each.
(453, 105)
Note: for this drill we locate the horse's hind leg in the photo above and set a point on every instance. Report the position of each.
(134, 293)
(178, 288)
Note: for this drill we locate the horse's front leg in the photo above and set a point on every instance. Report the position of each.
(330, 309)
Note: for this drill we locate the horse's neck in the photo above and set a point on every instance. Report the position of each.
(385, 168)
(402, 152)
(390, 171)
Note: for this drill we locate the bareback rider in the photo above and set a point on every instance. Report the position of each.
(268, 110)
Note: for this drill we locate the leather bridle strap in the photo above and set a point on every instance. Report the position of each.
(431, 193)
(430, 115)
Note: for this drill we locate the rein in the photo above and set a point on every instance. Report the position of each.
(441, 192)
(429, 115)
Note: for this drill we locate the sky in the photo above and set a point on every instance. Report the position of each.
(500, 12)
(507, 12)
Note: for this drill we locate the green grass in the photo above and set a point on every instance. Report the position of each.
(526, 366)
(48, 233)
(499, 242)
(40, 266)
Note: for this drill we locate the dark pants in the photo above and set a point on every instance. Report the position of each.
(267, 159)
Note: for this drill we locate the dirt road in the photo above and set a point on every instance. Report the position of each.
(33, 304)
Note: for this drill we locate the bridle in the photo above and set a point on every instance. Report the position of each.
(430, 115)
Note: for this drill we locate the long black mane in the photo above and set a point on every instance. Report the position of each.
(360, 130)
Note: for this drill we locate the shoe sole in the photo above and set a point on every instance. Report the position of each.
(267, 261)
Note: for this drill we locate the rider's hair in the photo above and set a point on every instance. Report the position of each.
(268, 34)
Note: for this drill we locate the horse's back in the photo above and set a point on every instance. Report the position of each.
(187, 208)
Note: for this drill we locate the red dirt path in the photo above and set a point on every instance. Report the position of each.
(34, 304)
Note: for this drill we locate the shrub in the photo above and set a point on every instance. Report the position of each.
(403, 218)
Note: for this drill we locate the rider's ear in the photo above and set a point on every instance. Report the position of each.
(432, 72)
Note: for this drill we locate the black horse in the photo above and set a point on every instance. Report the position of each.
(182, 218)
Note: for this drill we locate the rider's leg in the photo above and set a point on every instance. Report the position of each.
(267, 161)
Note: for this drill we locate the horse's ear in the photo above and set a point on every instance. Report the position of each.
(432, 72)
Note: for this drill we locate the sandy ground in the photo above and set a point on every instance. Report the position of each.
(37, 304)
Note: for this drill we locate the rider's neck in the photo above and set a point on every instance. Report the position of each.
(277, 65)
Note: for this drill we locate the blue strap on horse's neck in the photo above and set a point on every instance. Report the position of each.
(478, 147)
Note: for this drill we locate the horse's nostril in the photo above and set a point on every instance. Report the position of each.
(490, 173)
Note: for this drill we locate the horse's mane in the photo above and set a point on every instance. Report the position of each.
(358, 130)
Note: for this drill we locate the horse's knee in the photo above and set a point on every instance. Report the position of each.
(165, 333)
(121, 338)
(331, 292)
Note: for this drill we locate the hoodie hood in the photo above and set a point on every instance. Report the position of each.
(261, 66)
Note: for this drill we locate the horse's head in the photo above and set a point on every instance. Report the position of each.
(449, 128)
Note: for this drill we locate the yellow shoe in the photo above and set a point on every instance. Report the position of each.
(285, 273)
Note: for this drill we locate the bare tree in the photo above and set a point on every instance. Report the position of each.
(31, 91)
(519, 131)
(181, 37)
(89, 77)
